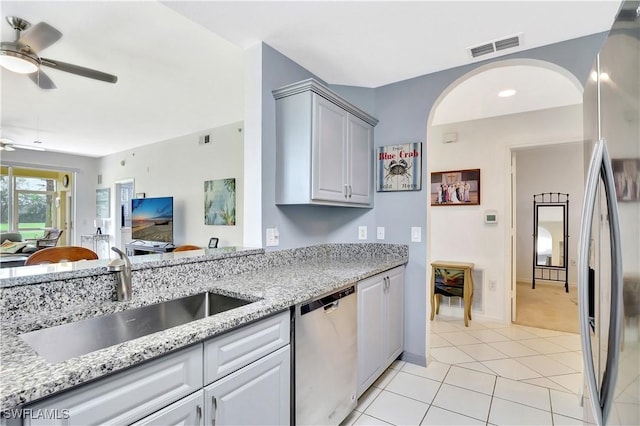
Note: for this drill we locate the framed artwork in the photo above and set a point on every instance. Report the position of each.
(455, 188)
(102, 203)
(220, 202)
(626, 174)
(399, 167)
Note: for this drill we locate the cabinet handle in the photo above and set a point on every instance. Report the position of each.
(199, 414)
(214, 407)
(349, 191)
(345, 190)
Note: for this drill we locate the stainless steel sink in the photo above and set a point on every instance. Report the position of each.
(66, 341)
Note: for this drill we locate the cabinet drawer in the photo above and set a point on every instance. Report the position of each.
(127, 396)
(232, 351)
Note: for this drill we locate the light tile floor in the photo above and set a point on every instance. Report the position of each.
(484, 374)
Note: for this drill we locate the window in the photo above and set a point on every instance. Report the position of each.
(4, 203)
(28, 202)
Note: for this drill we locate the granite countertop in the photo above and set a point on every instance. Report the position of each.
(35, 274)
(26, 376)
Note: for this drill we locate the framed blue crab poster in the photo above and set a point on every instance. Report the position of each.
(399, 167)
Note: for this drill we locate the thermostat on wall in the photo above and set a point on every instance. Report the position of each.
(491, 216)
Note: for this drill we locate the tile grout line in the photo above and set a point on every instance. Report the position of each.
(493, 392)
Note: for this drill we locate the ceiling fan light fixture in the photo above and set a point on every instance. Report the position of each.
(32, 148)
(18, 62)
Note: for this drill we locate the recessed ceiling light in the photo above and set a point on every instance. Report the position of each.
(507, 93)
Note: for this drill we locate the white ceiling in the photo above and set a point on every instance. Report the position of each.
(536, 88)
(177, 77)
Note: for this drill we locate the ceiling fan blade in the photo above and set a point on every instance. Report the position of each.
(39, 37)
(76, 69)
(42, 80)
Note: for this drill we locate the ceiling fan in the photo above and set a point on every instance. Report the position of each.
(22, 55)
(8, 145)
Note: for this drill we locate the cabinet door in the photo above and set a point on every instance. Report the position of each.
(258, 394)
(394, 299)
(187, 411)
(370, 331)
(329, 145)
(359, 161)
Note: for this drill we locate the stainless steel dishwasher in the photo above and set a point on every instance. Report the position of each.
(326, 358)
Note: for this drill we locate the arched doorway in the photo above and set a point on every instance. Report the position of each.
(472, 127)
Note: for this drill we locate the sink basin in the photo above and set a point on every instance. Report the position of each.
(66, 341)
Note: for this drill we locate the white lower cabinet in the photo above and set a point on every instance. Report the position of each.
(124, 397)
(257, 394)
(380, 324)
(250, 366)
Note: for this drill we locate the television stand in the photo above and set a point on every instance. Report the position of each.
(139, 247)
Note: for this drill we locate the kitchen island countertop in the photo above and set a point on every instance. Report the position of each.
(26, 377)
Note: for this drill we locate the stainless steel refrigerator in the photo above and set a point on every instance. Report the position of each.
(609, 241)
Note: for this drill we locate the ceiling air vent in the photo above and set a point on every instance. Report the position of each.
(482, 50)
(494, 46)
(507, 43)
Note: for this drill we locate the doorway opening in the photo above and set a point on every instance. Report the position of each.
(124, 194)
(471, 127)
(535, 170)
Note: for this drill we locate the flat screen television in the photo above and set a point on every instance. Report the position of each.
(152, 219)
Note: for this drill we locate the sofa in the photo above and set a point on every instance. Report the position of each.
(22, 246)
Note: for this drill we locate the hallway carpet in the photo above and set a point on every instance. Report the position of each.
(548, 306)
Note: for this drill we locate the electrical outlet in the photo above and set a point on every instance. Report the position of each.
(416, 234)
(492, 285)
(204, 139)
(380, 232)
(273, 237)
(362, 232)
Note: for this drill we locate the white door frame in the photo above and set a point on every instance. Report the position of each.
(512, 236)
(118, 225)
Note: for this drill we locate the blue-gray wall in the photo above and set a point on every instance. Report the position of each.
(403, 109)
(297, 225)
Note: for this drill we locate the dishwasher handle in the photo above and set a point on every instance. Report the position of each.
(331, 307)
(329, 303)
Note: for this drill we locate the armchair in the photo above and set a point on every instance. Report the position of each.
(49, 239)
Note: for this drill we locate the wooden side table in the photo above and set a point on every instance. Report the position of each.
(451, 279)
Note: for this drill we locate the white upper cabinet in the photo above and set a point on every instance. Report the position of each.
(324, 148)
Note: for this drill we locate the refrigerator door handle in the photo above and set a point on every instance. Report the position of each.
(615, 312)
(588, 206)
(600, 167)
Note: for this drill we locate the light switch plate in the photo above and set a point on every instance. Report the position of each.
(380, 232)
(362, 232)
(416, 234)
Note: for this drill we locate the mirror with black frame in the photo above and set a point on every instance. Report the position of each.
(550, 231)
(550, 238)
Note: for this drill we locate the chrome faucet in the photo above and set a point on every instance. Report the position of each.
(123, 277)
